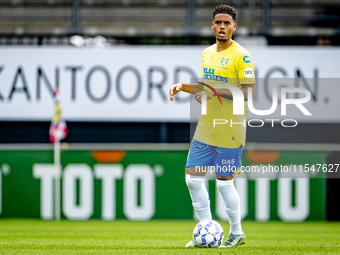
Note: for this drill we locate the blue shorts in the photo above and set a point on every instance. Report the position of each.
(226, 161)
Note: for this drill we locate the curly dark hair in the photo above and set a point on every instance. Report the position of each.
(223, 8)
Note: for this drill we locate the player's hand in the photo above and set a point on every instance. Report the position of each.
(199, 95)
(174, 90)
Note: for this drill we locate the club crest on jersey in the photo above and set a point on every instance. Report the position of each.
(246, 59)
(224, 61)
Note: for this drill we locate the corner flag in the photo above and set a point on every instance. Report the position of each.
(58, 129)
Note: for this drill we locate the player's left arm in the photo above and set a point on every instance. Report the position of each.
(245, 91)
(226, 93)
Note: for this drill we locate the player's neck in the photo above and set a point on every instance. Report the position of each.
(221, 46)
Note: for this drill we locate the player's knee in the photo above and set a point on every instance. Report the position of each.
(225, 184)
(193, 182)
(196, 171)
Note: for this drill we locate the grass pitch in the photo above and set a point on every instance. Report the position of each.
(160, 237)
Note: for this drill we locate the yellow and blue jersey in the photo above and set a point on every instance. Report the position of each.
(233, 66)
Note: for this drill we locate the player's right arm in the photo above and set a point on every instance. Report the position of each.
(189, 88)
(176, 88)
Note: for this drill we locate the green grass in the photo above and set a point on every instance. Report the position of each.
(160, 237)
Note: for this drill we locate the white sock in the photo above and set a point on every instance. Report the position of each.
(199, 196)
(232, 204)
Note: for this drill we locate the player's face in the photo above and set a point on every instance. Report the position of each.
(223, 26)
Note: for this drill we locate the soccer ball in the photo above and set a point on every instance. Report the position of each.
(208, 234)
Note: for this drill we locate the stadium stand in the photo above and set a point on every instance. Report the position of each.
(51, 22)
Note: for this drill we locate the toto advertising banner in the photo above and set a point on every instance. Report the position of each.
(144, 185)
(131, 83)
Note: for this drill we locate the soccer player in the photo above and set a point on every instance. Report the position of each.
(220, 145)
